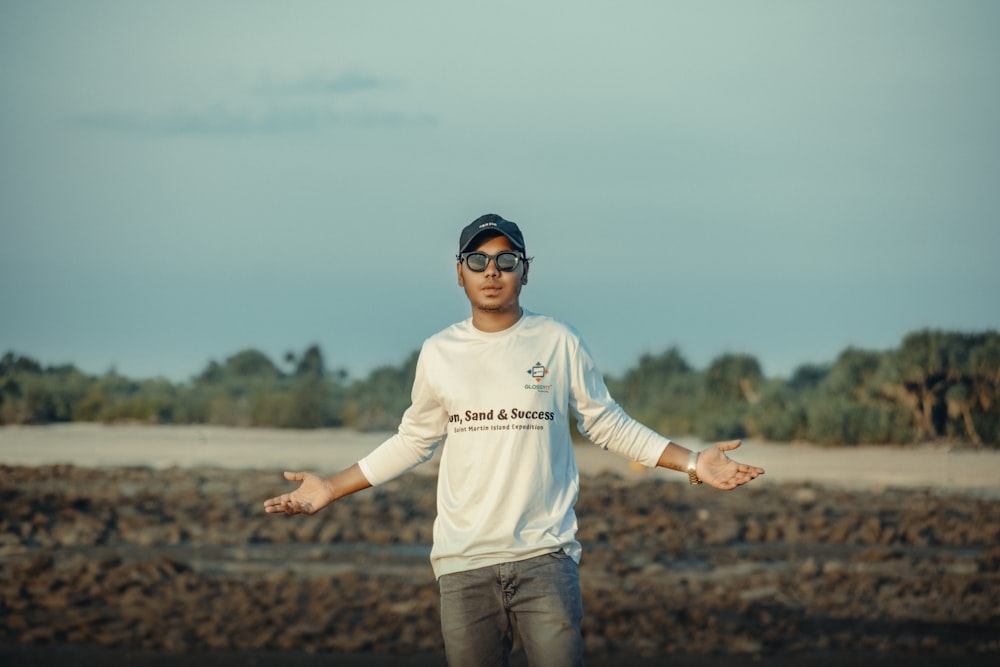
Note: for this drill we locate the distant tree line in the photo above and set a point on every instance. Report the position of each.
(936, 386)
(247, 389)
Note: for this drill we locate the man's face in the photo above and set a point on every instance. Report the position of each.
(492, 290)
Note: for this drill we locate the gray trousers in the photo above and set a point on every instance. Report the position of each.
(537, 600)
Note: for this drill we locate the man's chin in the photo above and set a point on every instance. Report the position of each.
(496, 307)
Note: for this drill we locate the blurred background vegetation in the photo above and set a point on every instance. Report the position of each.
(936, 385)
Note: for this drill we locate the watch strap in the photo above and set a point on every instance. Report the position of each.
(693, 469)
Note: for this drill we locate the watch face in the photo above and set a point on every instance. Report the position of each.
(693, 469)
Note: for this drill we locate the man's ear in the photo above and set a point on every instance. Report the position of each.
(524, 274)
(461, 281)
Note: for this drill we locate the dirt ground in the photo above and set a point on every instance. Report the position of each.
(138, 545)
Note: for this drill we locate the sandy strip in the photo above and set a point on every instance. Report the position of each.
(328, 450)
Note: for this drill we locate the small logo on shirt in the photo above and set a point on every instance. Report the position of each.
(538, 373)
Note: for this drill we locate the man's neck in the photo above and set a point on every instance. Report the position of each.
(494, 321)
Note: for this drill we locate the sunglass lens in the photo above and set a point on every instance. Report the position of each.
(476, 261)
(506, 261)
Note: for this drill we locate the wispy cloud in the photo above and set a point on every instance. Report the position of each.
(326, 83)
(226, 121)
(296, 105)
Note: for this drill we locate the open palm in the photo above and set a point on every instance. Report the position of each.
(312, 495)
(715, 468)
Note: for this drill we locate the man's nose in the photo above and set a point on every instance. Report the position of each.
(491, 267)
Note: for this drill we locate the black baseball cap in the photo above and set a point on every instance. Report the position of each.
(491, 222)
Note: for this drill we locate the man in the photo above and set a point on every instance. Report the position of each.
(503, 386)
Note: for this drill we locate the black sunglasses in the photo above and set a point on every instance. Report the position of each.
(478, 261)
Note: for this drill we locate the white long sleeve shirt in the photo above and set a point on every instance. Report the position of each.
(508, 479)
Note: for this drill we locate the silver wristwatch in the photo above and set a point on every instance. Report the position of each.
(693, 469)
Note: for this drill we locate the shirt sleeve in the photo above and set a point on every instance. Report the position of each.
(602, 420)
(421, 430)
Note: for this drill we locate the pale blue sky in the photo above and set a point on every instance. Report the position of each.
(182, 180)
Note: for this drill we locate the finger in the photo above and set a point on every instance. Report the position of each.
(744, 477)
(729, 445)
(278, 504)
(295, 476)
(274, 508)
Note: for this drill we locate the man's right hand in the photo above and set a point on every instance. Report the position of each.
(313, 494)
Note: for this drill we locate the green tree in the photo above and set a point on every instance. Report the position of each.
(311, 363)
(733, 378)
(251, 364)
(311, 393)
(984, 387)
(934, 374)
(731, 387)
(378, 402)
(661, 391)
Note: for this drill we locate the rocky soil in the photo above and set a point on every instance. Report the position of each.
(184, 562)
